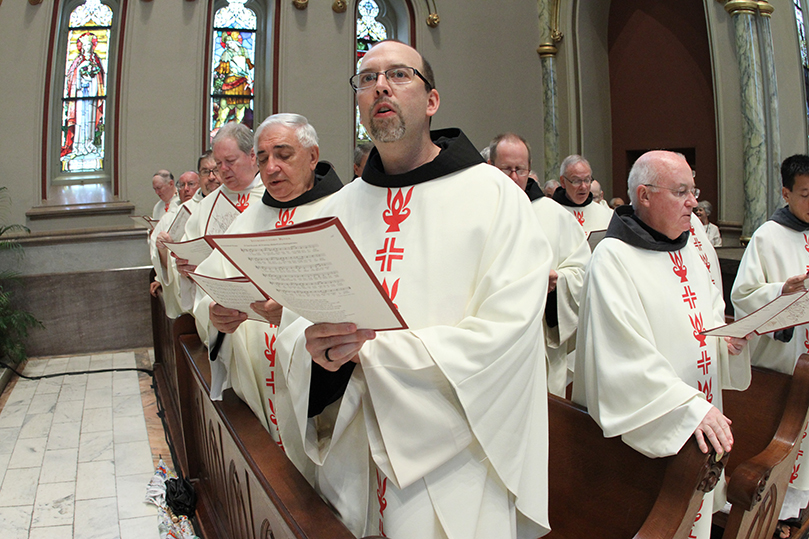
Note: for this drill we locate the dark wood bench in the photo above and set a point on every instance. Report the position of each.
(601, 487)
(768, 422)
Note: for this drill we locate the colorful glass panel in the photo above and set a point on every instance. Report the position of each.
(84, 96)
(369, 32)
(233, 66)
(801, 33)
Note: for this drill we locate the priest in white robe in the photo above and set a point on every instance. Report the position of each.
(164, 188)
(642, 368)
(236, 167)
(511, 153)
(775, 262)
(296, 185)
(573, 193)
(439, 430)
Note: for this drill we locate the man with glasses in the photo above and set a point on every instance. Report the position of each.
(460, 397)
(775, 262)
(187, 185)
(575, 177)
(511, 153)
(642, 368)
(208, 178)
(241, 184)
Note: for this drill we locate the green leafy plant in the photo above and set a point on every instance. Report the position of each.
(14, 322)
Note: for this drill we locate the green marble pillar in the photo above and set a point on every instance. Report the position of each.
(547, 51)
(753, 123)
(774, 200)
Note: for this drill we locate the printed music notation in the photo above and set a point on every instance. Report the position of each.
(785, 311)
(314, 269)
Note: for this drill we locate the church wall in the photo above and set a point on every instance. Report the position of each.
(488, 74)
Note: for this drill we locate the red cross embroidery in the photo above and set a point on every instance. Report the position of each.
(697, 243)
(397, 209)
(704, 362)
(579, 217)
(394, 289)
(269, 352)
(381, 487)
(679, 268)
(698, 325)
(242, 201)
(706, 389)
(384, 254)
(285, 218)
(689, 297)
(270, 382)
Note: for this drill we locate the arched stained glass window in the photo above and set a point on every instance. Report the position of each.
(233, 65)
(85, 88)
(369, 32)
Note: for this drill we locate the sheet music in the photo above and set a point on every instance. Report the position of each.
(223, 213)
(195, 251)
(144, 221)
(316, 274)
(234, 293)
(177, 228)
(784, 311)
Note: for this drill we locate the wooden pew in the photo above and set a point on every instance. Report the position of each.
(247, 488)
(601, 487)
(768, 423)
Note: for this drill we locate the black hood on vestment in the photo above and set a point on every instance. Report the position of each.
(457, 153)
(326, 183)
(627, 227)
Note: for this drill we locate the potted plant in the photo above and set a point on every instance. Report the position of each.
(14, 322)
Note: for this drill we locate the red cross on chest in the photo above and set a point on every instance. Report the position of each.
(388, 254)
(689, 297)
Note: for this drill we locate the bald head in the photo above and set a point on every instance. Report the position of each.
(187, 185)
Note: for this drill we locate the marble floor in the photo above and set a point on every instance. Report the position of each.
(77, 452)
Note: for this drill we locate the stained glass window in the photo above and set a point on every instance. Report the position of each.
(85, 88)
(803, 48)
(233, 65)
(369, 31)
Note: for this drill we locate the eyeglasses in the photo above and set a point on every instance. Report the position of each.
(577, 183)
(207, 171)
(521, 172)
(395, 75)
(193, 185)
(680, 192)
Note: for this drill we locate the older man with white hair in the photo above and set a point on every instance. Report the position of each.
(642, 368)
(242, 351)
(575, 178)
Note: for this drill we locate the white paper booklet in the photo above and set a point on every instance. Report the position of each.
(234, 293)
(785, 311)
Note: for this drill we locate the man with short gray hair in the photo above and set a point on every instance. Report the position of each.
(575, 177)
(296, 185)
(643, 369)
(163, 185)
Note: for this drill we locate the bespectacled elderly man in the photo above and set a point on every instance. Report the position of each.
(643, 369)
(573, 193)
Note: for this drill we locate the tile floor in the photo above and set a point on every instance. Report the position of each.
(75, 454)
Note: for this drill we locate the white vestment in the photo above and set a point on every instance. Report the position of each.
(699, 239)
(182, 287)
(713, 234)
(160, 207)
(642, 369)
(592, 216)
(774, 254)
(571, 253)
(171, 300)
(442, 430)
(246, 358)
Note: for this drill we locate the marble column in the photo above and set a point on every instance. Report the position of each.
(753, 123)
(774, 201)
(547, 53)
